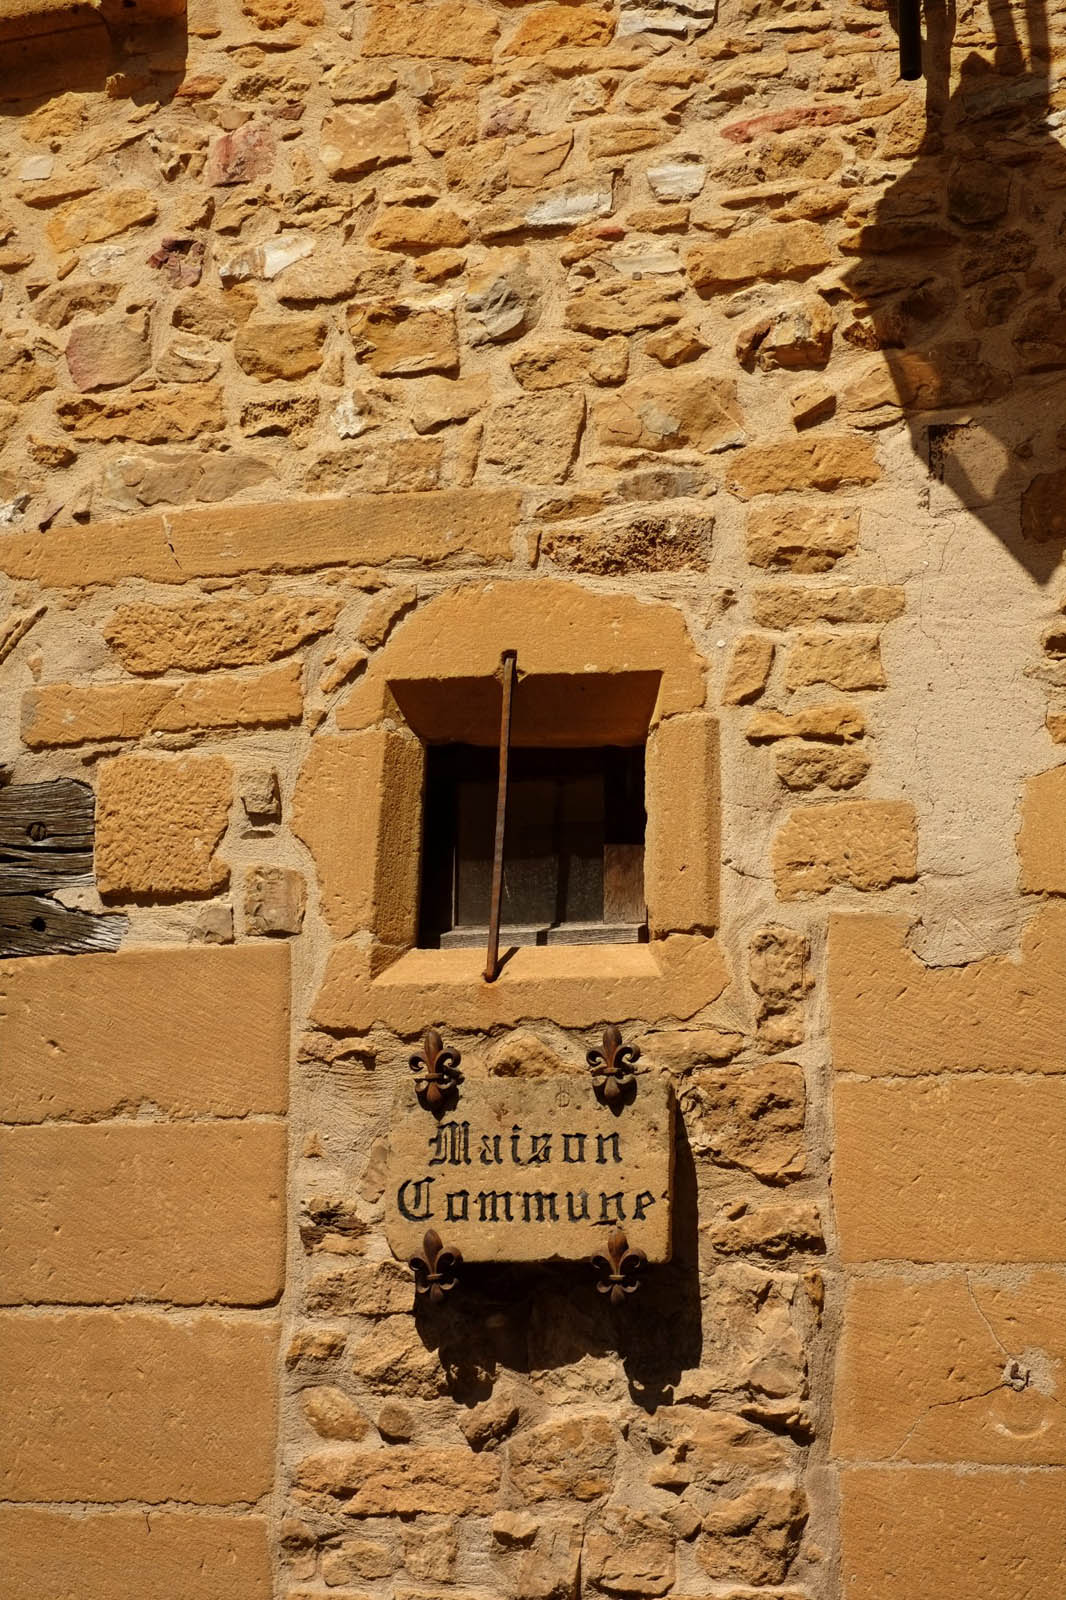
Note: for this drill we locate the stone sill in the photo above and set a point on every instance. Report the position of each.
(540, 934)
(577, 986)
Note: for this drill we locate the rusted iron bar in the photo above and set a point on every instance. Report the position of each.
(508, 664)
(910, 39)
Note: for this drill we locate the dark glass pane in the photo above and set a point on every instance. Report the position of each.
(579, 844)
(531, 865)
(475, 809)
(574, 847)
(553, 866)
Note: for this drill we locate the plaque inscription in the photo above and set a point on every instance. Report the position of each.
(530, 1169)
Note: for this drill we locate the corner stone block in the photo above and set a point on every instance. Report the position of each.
(951, 1169)
(977, 1535)
(106, 1406)
(891, 1014)
(111, 1555)
(157, 824)
(1042, 836)
(189, 1031)
(358, 808)
(683, 840)
(923, 1371)
(124, 1211)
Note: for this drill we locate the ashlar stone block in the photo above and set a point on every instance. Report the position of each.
(109, 1406)
(92, 1213)
(295, 535)
(976, 1535)
(893, 1015)
(190, 1031)
(958, 1368)
(374, 781)
(964, 1168)
(1042, 836)
(109, 1555)
(158, 822)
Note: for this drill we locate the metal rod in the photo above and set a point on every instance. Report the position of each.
(492, 959)
(910, 39)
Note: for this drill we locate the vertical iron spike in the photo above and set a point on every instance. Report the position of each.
(508, 663)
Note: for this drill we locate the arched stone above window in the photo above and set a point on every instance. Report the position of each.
(560, 630)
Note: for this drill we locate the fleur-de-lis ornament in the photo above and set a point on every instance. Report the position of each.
(436, 1270)
(439, 1077)
(612, 1068)
(619, 1269)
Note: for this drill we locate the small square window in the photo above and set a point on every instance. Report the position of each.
(574, 855)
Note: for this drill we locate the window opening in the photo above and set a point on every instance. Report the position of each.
(573, 866)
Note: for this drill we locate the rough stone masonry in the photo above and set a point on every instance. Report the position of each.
(686, 350)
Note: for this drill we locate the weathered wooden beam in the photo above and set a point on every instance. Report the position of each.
(32, 925)
(46, 836)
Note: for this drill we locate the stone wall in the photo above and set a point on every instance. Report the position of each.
(342, 347)
(144, 1166)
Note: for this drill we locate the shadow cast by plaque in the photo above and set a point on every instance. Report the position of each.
(528, 1317)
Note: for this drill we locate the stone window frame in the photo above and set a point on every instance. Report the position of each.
(358, 808)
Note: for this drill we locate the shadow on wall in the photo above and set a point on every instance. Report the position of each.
(134, 49)
(959, 280)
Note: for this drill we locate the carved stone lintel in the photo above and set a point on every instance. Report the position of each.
(436, 1270)
(438, 1072)
(612, 1069)
(619, 1269)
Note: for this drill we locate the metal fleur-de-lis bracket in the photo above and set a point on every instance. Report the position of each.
(436, 1270)
(439, 1077)
(612, 1069)
(619, 1269)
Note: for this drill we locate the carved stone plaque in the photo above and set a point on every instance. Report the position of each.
(527, 1169)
